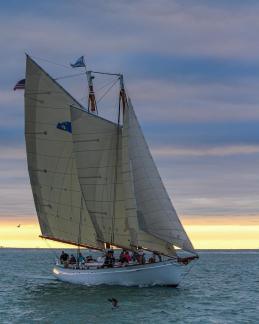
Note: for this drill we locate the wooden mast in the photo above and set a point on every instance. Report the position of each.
(116, 162)
(92, 106)
(123, 97)
(79, 232)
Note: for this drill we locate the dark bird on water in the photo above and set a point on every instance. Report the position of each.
(19, 225)
(114, 302)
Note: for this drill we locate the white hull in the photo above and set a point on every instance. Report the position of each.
(161, 273)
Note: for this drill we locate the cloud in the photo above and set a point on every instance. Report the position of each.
(12, 153)
(195, 102)
(171, 27)
(221, 151)
(191, 70)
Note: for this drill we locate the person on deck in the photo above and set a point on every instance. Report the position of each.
(156, 256)
(63, 257)
(72, 259)
(81, 259)
(152, 259)
(121, 257)
(125, 257)
(141, 257)
(135, 256)
(109, 260)
(89, 258)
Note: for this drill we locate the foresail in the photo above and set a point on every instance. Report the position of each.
(141, 238)
(57, 194)
(97, 148)
(156, 214)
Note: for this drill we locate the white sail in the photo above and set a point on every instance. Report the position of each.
(97, 147)
(155, 211)
(57, 194)
(142, 237)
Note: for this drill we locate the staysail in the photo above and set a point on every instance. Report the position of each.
(144, 238)
(155, 211)
(57, 194)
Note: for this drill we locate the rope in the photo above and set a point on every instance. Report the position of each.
(103, 86)
(186, 273)
(51, 62)
(51, 249)
(68, 76)
(107, 91)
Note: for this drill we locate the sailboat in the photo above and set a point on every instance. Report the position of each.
(95, 185)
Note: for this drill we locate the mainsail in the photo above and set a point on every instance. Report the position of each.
(57, 194)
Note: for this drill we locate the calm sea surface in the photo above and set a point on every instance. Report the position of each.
(221, 288)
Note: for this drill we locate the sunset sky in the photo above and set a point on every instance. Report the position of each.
(192, 71)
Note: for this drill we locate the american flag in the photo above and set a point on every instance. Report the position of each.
(20, 85)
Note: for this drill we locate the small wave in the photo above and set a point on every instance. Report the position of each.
(51, 278)
(228, 252)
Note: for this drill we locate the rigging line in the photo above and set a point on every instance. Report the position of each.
(105, 93)
(51, 62)
(114, 110)
(68, 76)
(98, 233)
(186, 273)
(79, 230)
(83, 98)
(127, 92)
(104, 86)
(53, 251)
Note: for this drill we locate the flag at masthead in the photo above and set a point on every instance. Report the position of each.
(80, 62)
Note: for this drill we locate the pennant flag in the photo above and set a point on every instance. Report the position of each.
(65, 126)
(78, 63)
(20, 85)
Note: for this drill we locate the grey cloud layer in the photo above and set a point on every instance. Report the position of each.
(192, 70)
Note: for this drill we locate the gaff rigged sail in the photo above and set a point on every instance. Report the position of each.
(51, 164)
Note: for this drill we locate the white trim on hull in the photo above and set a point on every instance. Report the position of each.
(161, 273)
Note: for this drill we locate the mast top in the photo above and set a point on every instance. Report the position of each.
(121, 82)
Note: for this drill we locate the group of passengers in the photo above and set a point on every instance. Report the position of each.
(137, 257)
(125, 258)
(65, 259)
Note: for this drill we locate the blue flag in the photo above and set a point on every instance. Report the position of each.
(65, 126)
(79, 62)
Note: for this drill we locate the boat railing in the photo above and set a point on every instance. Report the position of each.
(99, 265)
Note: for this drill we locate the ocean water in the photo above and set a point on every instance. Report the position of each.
(222, 287)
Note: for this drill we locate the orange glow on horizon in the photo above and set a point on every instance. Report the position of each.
(241, 234)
